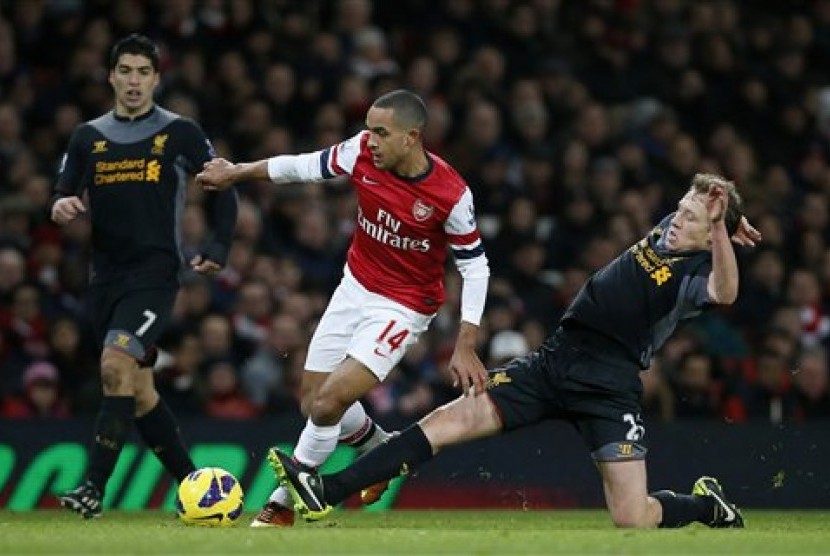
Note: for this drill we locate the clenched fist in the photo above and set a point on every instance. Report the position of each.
(67, 209)
(216, 175)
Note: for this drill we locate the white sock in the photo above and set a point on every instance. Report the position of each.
(282, 497)
(316, 444)
(357, 429)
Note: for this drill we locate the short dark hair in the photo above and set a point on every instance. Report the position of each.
(408, 109)
(137, 44)
(734, 209)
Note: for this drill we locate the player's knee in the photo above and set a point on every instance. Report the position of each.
(631, 518)
(463, 414)
(307, 402)
(451, 423)
(114, 379)
(630, 522)
(116, 374)
(326, 410)
(311, 384)
(146, 399)
(446, 417)
(623, 520)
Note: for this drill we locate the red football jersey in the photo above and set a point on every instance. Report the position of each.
(404, 225)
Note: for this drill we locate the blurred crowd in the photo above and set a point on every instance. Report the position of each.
(577, 124)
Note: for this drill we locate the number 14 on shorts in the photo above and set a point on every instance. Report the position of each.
(390, 339)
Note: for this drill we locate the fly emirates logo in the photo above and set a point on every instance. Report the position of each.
(385, 229)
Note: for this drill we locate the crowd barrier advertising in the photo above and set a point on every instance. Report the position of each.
(546, 466)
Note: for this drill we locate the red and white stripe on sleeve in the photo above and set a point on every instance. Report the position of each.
(340, 159)
(331, 162)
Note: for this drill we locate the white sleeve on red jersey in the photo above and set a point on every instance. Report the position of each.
(334, 161)
(292, 168)
(465, 242)
(340, 159)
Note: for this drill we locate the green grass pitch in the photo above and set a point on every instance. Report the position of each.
(409, 532)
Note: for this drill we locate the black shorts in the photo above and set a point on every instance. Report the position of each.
(571, 380)
(130, 319)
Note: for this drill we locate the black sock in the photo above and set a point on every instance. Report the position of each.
(397, 456)
(681, 509)
(160, 432)
(111, 426)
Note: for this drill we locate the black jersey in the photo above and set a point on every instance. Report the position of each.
(135, 172)
(638, 299)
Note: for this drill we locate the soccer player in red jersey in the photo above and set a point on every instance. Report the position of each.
(412, 205)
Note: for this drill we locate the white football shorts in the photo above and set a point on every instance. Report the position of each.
(366, 326)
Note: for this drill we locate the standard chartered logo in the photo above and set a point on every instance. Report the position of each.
(127, 170)
(138, 478)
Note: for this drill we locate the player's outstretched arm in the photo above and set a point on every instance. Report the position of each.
(219, 174)
(328, 163)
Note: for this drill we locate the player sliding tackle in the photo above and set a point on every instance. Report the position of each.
(587, 372)
(411, 206)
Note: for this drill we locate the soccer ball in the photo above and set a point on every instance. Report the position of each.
(210, 497)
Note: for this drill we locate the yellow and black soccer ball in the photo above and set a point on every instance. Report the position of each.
(210, 497)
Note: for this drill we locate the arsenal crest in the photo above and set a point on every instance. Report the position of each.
(421, 211)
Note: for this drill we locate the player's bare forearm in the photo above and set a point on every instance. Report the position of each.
(251, 170)
(220, 174)
(467, 370)
(467, 336)
(723, 280)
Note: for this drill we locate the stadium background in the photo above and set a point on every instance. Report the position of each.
(576, 124)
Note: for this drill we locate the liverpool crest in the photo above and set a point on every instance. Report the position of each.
(159, 142)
